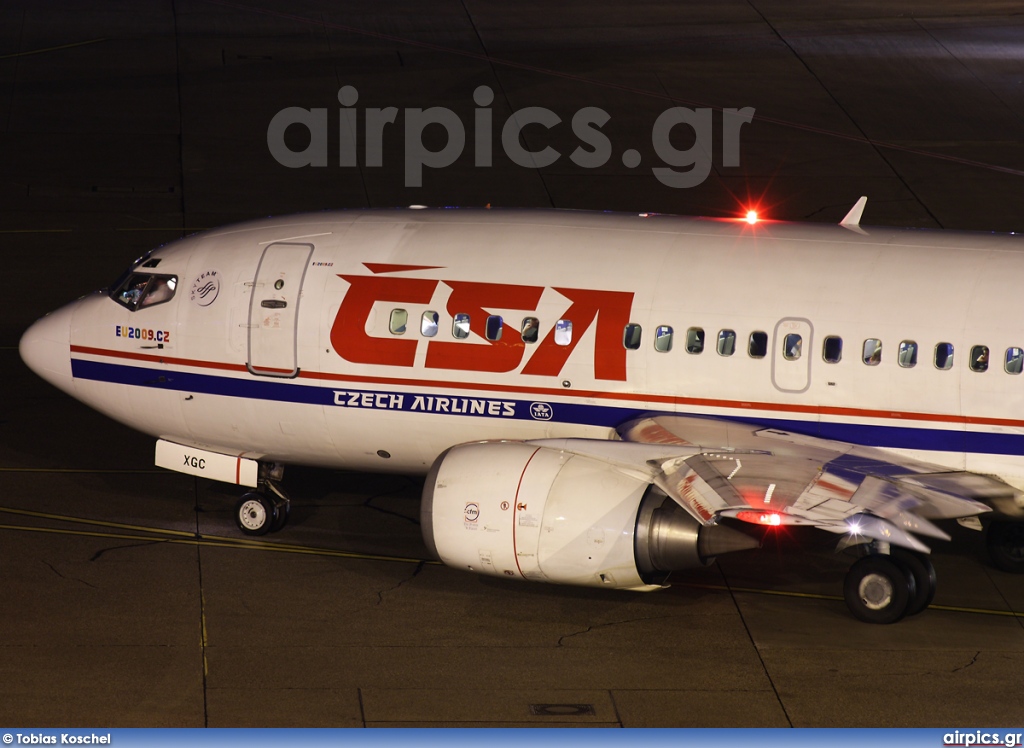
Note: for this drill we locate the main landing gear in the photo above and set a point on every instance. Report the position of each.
(890, 583)
(268, 507)
(884, 587)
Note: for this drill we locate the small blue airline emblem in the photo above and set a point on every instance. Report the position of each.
(541, 411)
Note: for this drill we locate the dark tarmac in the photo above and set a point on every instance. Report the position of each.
(129, 597)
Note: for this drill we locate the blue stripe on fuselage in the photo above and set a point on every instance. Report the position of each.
(893, 437)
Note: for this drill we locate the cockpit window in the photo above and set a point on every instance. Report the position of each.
(140, 290)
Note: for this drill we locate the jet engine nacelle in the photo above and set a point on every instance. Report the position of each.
(513, 509)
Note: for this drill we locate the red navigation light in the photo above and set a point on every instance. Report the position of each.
(751, 216)
(771, 519)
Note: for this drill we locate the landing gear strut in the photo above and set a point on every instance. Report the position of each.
(885, 587)
(268, 507)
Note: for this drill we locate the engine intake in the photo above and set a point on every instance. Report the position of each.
(512, 509)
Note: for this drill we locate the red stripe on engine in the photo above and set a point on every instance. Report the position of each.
(515, 512)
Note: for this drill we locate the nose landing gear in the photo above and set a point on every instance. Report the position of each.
(267, 508)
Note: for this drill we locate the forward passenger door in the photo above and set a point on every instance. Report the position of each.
(274, 309)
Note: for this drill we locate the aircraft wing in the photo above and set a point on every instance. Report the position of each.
(768, 476)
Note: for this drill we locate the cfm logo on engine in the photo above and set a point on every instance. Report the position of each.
(608, 312)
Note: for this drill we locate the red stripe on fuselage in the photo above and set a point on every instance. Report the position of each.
(741, 405)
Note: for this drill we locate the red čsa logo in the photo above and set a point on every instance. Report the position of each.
(607, 311)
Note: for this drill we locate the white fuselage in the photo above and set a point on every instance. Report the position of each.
(301, 357)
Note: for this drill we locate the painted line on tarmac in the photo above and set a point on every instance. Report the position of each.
(983, 611)
(755, 591)
(179, 229)
(170, 228)
(160, 531)
(207, 541)
(52, 49)
(96, 522)
(35, 231)
(180, 537)
(816, 596)
(168, 535)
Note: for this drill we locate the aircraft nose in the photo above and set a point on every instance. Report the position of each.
(46, 349)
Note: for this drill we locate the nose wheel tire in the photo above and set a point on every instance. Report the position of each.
(879, 589)
(256, 514)
(1005, 541)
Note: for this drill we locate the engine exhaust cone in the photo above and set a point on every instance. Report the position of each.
(669, 539)
(718, 539)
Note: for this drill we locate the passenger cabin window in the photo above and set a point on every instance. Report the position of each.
(757, 346)
(631, 336)
(1014, 360)
(979, 358)
(907, 356)
(530, 329)
(492, 330)
(792, 346)
(726, 342)
(141, 290)
(460, 326)
(399, 319)
(563, 332)
(944, 356)
(428, 324)
(695, 340)
(832, 349)
(663, 339)
(872, 352)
